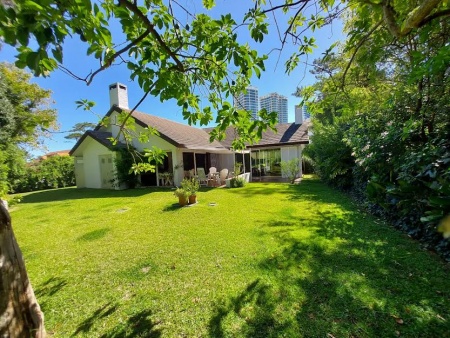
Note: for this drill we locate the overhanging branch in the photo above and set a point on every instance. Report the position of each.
(133, 8)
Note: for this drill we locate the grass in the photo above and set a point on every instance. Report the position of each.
(268, 260)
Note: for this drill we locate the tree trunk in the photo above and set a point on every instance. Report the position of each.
(20, 314)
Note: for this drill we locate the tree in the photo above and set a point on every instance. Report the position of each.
(78, 130)
(381, 122)
(176, 54)
(25, 119)
(21, 315)
(32, 115)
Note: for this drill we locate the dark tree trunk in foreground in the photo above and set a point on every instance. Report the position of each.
(20, 314)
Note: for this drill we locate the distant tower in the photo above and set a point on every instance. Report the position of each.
(275, 102)
(306, 113)
(248, 101)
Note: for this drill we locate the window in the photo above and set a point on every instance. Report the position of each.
(266, 162)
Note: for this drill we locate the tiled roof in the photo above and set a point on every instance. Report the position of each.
(287, 133)
(103, 137)
(185, 136)
(180, 135)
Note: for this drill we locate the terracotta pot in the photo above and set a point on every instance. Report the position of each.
(182, 200)
(192, 199)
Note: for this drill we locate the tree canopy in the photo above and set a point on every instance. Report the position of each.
(381, 123)
(174, 52)
(78, 130)
(25, 119)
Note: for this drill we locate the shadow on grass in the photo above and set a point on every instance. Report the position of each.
(138, 325)
(74, 193)
(99, 314)
(338, 275)
(94, 235)
(172, 207)
(263, 323)
(50, 287)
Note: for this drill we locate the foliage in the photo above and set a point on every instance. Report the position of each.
(123, 161)
(31, 118)
(154, 156)
(53, 172)
(331, 156)
(190, 185)
(237, 182)
(25, 118)
(290, 169)
(180, 192)
(14, 200)
(78, 130)
(237, 168)
(295, 260)
(381, 122)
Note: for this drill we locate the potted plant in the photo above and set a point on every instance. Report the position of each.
(191, 186)
(182, 195)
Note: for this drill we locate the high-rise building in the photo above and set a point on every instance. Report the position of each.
(275, 102)
(306, 113)
(248, 101)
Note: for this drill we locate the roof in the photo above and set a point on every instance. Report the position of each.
(102, 137)
(185, 136)
(287, 134)
(180, 135)
(55, 153)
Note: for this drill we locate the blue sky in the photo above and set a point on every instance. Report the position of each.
(67, 90)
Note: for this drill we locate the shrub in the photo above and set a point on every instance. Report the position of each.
(290, 169)
(237, 182)
(190, 185)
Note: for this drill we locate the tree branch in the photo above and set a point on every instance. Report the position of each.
(118, 53)
(133, 8)
(417, 18)
(361, 42)
(122, 126)
(445, 12)
(284, 6)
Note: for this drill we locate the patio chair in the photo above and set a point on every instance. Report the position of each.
(212, 171)
(212, 176)
(223, 176)
(201, 176)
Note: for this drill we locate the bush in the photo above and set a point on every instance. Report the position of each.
(124, 162)
(53, 172)
(237, 182)
(290, 169)
(190, 185)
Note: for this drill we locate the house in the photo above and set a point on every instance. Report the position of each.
(54, 153)
(187, 148)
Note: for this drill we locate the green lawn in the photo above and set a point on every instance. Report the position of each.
(268, 260)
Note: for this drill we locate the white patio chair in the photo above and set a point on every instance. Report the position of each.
(212, 171)
(202, 179)
(223, 176)
(212, 176)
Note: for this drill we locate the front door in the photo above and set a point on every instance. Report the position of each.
(106, 171)
(79, 172)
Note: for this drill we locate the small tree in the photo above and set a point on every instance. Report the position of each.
(78, 130)
(290, 169)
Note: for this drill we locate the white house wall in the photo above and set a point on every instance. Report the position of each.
(90, 150)
(156, 141)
